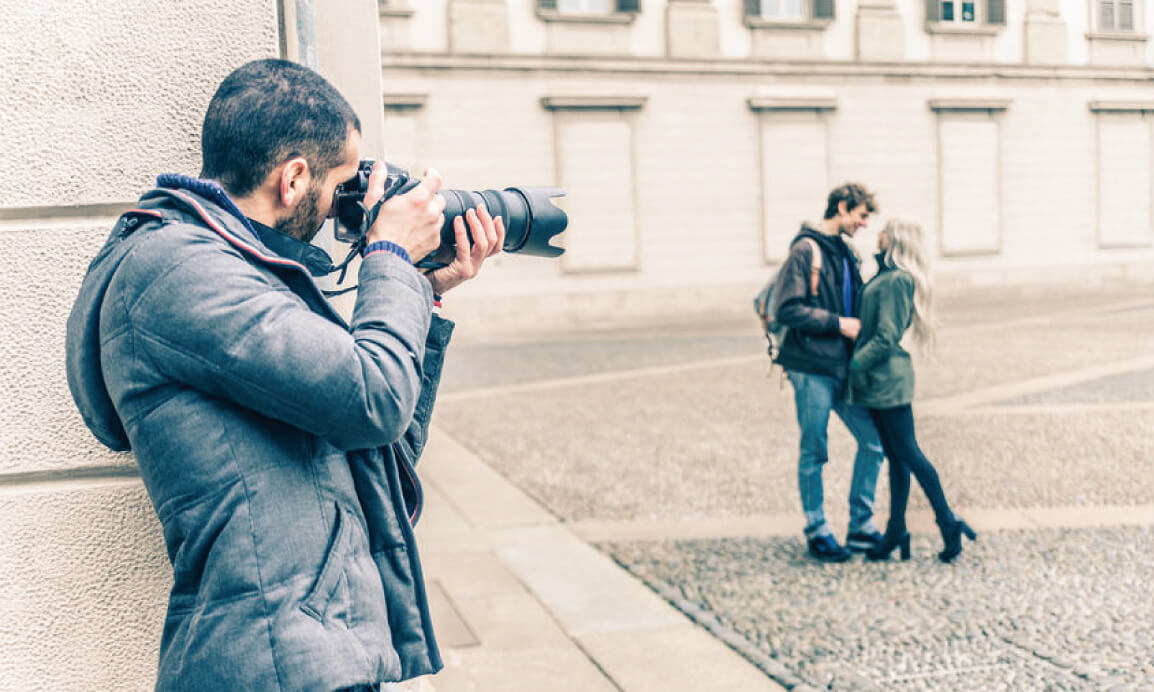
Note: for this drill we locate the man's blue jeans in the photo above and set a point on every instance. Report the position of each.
(816, 396)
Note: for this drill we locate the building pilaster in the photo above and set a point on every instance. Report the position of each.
(1044, 41)
(692, 29)
(879, 31)
(478, 26)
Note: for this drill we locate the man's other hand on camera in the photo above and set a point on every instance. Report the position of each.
(412, 220)
(488, 238)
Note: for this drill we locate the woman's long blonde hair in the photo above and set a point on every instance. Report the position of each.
(907, 252)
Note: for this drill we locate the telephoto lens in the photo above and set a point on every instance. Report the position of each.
(531, 219)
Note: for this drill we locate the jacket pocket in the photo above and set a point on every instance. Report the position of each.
(316, 602)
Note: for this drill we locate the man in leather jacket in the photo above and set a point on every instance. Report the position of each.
(816, 354)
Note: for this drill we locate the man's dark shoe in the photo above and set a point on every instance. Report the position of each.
(861, 541)
(826, 549)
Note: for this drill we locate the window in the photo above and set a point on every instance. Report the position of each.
(588, 6)
(1116, 15)
(958, 11)
(969, 175)
(788, 10)
(965, 13)
(1125, 173)
(794, 148)
(782, 9)
(596, 167)
(592, 7)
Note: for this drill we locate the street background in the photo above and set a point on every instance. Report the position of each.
(672, 449)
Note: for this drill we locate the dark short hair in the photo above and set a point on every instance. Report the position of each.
(266, 112)
(853, 194)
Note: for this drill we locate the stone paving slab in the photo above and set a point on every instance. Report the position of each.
(675, 657)
(1128, 387)
(586, 591)
(521, 603)
(519, 670)
(1061, 609)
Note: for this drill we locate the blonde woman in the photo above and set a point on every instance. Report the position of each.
(881, 380)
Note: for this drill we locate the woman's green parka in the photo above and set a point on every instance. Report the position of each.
(880, 373)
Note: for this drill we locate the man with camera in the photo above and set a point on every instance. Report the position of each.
(276, 441)
(816, 354)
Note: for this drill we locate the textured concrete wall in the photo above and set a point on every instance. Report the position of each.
(84, 588)
(96, 98)
(96, 94)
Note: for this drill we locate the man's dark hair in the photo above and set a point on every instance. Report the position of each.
(853, 195)
(266, 112)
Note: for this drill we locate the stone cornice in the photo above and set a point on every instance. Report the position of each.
(756, 67)
(792, 103)
(1134, 106)
(969, 104)
(955, 29)
(580, 18)
(593, 103)
(404, 101)
(758, 23)
(1123, 36)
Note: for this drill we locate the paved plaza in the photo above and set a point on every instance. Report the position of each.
(671, 450)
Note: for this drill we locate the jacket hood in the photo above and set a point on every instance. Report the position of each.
(171, 202)
(835, 245)
(82, 339)
(832, 244)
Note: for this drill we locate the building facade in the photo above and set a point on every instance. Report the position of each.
(692, 136)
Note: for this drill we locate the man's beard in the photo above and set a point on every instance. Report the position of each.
(305, 221)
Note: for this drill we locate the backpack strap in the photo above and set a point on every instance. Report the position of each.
(815, 265)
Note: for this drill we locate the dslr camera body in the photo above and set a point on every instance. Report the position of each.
(530, 217)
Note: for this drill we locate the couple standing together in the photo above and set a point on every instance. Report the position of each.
(842, 353)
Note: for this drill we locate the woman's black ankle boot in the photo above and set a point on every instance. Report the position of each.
(891, 540)
(952, 537)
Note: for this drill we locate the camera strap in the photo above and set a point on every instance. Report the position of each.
(368, 218)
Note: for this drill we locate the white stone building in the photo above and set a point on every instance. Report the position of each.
(691, 135)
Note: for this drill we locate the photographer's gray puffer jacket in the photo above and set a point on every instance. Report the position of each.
(276, 443)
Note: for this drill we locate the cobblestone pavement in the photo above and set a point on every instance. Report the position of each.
(1041, 402)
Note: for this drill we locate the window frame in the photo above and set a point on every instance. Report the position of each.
(610, 6)
(816, 14)
(979, 15)
(619, 12)
(1098, 9)
(989, 17)
(805, 15)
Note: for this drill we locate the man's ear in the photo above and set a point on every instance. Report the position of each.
(842, 207)
(294, 181)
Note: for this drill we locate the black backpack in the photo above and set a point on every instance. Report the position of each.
(766, 303)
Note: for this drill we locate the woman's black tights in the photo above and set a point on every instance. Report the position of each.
(896, 429)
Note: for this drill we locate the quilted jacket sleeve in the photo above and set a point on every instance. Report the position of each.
(217, 324)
